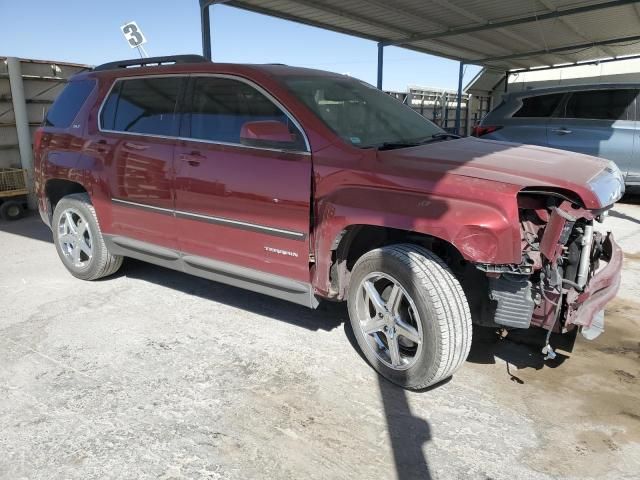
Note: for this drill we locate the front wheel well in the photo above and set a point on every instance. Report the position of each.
(357, 240)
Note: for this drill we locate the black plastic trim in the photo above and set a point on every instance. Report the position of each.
(276, 286)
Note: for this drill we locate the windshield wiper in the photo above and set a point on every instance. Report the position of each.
(414, 143)
(393, 145)
(442, 136)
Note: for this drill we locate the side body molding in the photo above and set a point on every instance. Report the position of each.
(254, 280)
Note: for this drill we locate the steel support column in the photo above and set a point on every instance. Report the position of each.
(380, 64)
(22, 122)
(459, 103)
(205, 27)
(506, 81)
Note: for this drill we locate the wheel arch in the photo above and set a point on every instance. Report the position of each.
(57, 188)
(354, 241)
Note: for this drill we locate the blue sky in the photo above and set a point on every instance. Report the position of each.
(88, 32)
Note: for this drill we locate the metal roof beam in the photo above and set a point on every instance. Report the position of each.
(464, 12)
(572, 26)
(573, 64)
(568, 48)
(354, 17)
(515, 21)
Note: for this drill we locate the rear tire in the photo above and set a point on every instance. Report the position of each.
(409, 315)
(79, 241)
(11, 210)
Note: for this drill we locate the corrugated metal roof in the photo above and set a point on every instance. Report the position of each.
(503, 34)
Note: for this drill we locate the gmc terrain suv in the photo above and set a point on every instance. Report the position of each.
(307, 185)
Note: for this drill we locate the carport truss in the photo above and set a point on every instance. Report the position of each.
(506, 35)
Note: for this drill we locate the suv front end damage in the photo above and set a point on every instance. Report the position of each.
(576, 270)
(569, 270)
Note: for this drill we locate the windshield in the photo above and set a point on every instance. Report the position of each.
(360, 113)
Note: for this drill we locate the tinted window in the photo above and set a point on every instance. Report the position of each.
(68, 104)
(540, 106)
(360, 113)
(144, 105)
(221, 106)
(601, 104)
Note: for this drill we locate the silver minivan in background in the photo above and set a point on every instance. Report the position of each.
(599, 120)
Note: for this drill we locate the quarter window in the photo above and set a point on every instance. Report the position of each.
(68, 103)
(601, 105)
(143, 105)
(221, 106)
(539, 106)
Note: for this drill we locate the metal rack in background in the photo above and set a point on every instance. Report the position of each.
(439, 106)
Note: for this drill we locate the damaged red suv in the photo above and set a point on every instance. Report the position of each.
(307, 185)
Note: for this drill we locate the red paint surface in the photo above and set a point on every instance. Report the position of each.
(462, 191)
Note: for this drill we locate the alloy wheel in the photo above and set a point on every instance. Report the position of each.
(389, 321)
(74, 238)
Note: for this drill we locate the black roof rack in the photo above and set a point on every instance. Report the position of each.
(157, 61)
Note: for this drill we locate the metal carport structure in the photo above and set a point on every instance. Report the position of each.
(506, 35)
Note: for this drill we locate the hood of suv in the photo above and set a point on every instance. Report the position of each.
(522, 165)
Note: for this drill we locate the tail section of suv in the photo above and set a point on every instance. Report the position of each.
(309, 186)
(598, 120)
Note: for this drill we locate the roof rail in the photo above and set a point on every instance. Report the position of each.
(157, 61)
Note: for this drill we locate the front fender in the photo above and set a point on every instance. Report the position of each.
(484, 229)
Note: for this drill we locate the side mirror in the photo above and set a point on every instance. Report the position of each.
(268, 134)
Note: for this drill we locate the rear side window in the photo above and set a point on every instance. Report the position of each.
(142, 105)
(539, 106)
(601, 105)
(221, 106)
(66, 107)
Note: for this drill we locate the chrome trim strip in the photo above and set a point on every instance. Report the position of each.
(126, 203)
(279, 232)
(240, 224)
(189, 139)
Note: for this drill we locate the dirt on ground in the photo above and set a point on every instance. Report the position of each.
(155, 374)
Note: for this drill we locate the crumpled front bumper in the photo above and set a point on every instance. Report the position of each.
(601, 289)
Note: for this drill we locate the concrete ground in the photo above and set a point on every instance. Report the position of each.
(155, 374)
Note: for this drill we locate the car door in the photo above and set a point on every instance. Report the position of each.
(529, 123)
(139, 129)
(243, 205)
(597, 122)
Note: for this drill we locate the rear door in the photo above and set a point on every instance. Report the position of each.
(139, 128)
(597, 122)
(529, 123)
(242, 205)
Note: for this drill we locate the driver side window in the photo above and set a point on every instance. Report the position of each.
(222, 106)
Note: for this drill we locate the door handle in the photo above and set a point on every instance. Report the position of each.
(135, 146)
(193, 158)
(101, 146)
(561, 131)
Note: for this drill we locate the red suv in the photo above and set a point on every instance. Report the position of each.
(307, 185)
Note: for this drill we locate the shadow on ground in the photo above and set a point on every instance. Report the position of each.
(624, 216)
(327, 317)
(521, 349)
(30, 226)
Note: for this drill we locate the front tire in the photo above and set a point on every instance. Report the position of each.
(409, 315)
(79, 241)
